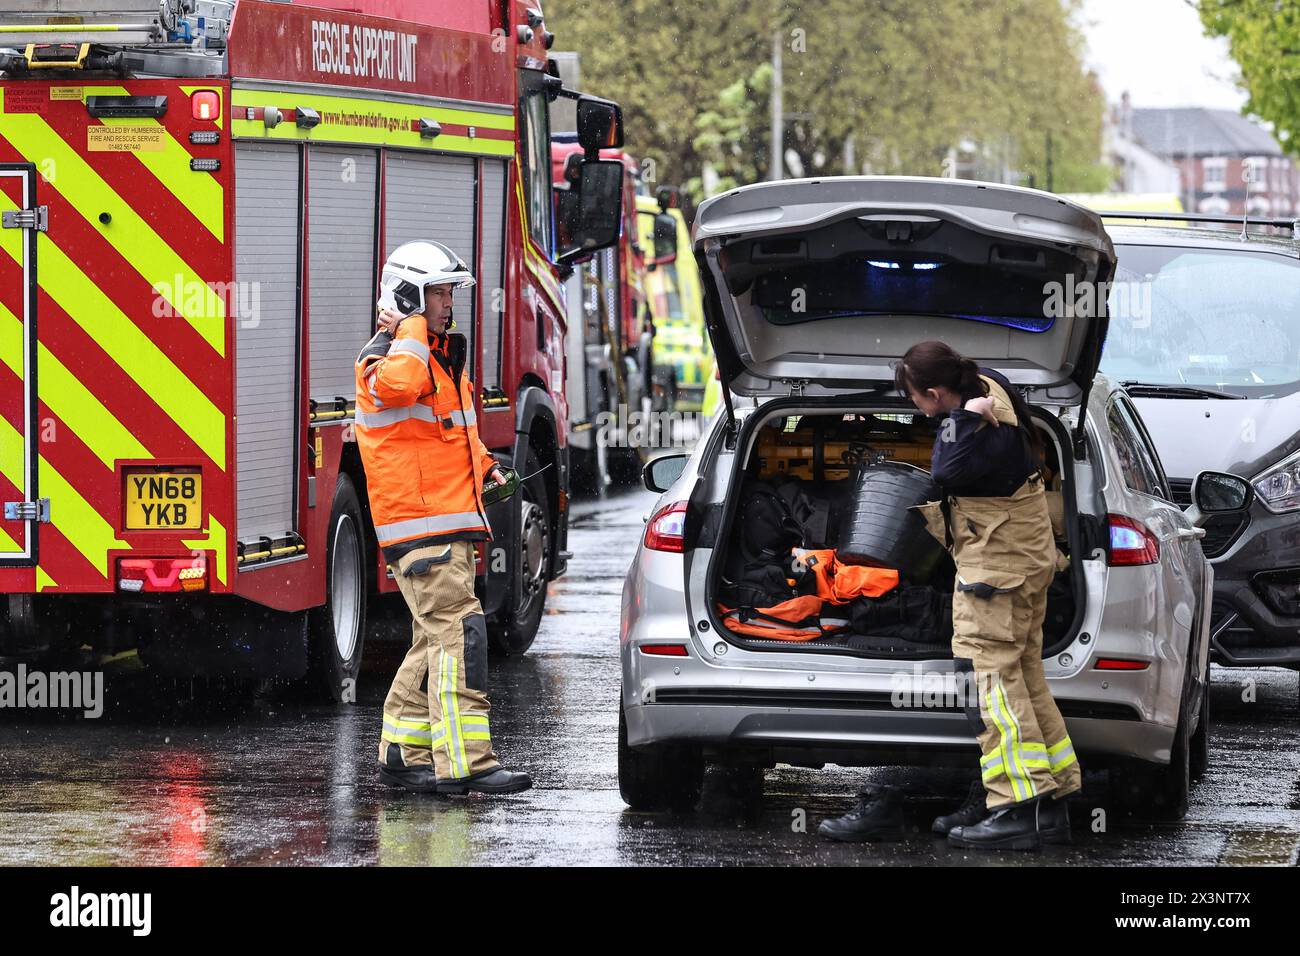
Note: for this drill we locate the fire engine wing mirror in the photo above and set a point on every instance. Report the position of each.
(600, 124)
(589, 215)
(665, 239)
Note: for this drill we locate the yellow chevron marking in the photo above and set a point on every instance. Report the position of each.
(76, 520)
(8, 545)
(143, 248)
(200, 193)
(61, 390)
(130, 348)
(43, 580)
(215, 541)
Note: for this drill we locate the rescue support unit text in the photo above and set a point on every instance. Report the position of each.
(348, 50)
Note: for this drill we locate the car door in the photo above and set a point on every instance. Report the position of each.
(1179, 571)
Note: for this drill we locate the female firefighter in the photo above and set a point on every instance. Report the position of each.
(994, 520)
(417, 432)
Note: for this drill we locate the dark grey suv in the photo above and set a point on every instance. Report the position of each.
(1205, 335)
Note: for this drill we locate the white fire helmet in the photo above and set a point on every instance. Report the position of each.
(414, 265)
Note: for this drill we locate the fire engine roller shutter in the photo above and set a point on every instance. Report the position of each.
(490, 275)
(429, 196)
(340, 264)
(266, 254)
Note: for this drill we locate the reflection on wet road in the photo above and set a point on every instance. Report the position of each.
(269, 781)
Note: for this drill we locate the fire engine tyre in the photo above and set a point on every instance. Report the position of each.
(514, 634)
(338, 627)
(658, 776)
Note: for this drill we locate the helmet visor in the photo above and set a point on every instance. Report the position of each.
(401, 296)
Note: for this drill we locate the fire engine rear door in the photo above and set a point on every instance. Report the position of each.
(22, 220)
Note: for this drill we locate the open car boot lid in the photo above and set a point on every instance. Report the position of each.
(819, 286)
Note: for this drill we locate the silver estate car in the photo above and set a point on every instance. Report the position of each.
(814, 289)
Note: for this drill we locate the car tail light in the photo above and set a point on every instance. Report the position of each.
(161, 575)
(1116, 664)
(1131, 542)
(664, 650)
(666, 529)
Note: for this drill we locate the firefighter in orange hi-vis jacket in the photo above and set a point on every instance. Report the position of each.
(425, 467)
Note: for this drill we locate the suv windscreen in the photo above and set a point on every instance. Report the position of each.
(1212, 318)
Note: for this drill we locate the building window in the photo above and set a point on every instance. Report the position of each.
(1213, 172)
(1255, 171)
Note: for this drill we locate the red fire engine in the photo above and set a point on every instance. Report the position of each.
(613, 380)
(197, 200)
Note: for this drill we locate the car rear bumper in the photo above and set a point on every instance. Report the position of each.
(851, 737)
(908, 713)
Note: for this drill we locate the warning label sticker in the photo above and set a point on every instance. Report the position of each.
(22, 99)
(67, 92)
(125, 139)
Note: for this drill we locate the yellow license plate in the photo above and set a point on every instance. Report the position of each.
(163, 500)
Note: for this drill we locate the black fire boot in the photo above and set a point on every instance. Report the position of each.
(1013, 826)
(1054, 821)
(496, 780)
(394, 773)
(968, 814)
(877, 816)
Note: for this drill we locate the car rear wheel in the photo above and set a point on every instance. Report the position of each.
(1157, 791)
(658, 776)
(1200, 744)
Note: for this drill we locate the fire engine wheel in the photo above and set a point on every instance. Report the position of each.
(338, 627)
(515, 634)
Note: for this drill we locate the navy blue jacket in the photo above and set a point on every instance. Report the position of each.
(980, 462)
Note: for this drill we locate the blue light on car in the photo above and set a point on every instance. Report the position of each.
(914, 266)
(1018, 323)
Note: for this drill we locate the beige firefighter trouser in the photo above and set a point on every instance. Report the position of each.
(437, 709)
(1006, 558)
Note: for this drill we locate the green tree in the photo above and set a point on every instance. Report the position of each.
(1264, 38)
(893, 83)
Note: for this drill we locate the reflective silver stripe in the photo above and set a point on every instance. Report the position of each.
(1062, 758)
(464, 418)
(432, 525)
(391, 416)
(406, 735)
(414, 346)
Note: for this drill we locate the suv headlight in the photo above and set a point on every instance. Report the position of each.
(1279, 486)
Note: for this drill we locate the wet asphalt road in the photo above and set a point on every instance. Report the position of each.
(270, 781)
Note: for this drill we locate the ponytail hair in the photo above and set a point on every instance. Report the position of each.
(934, 364)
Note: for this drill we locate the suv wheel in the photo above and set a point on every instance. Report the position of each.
(659, 776)
(1156, 791)
(1200, 744)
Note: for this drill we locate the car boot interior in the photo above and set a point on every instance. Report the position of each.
(840, 486)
